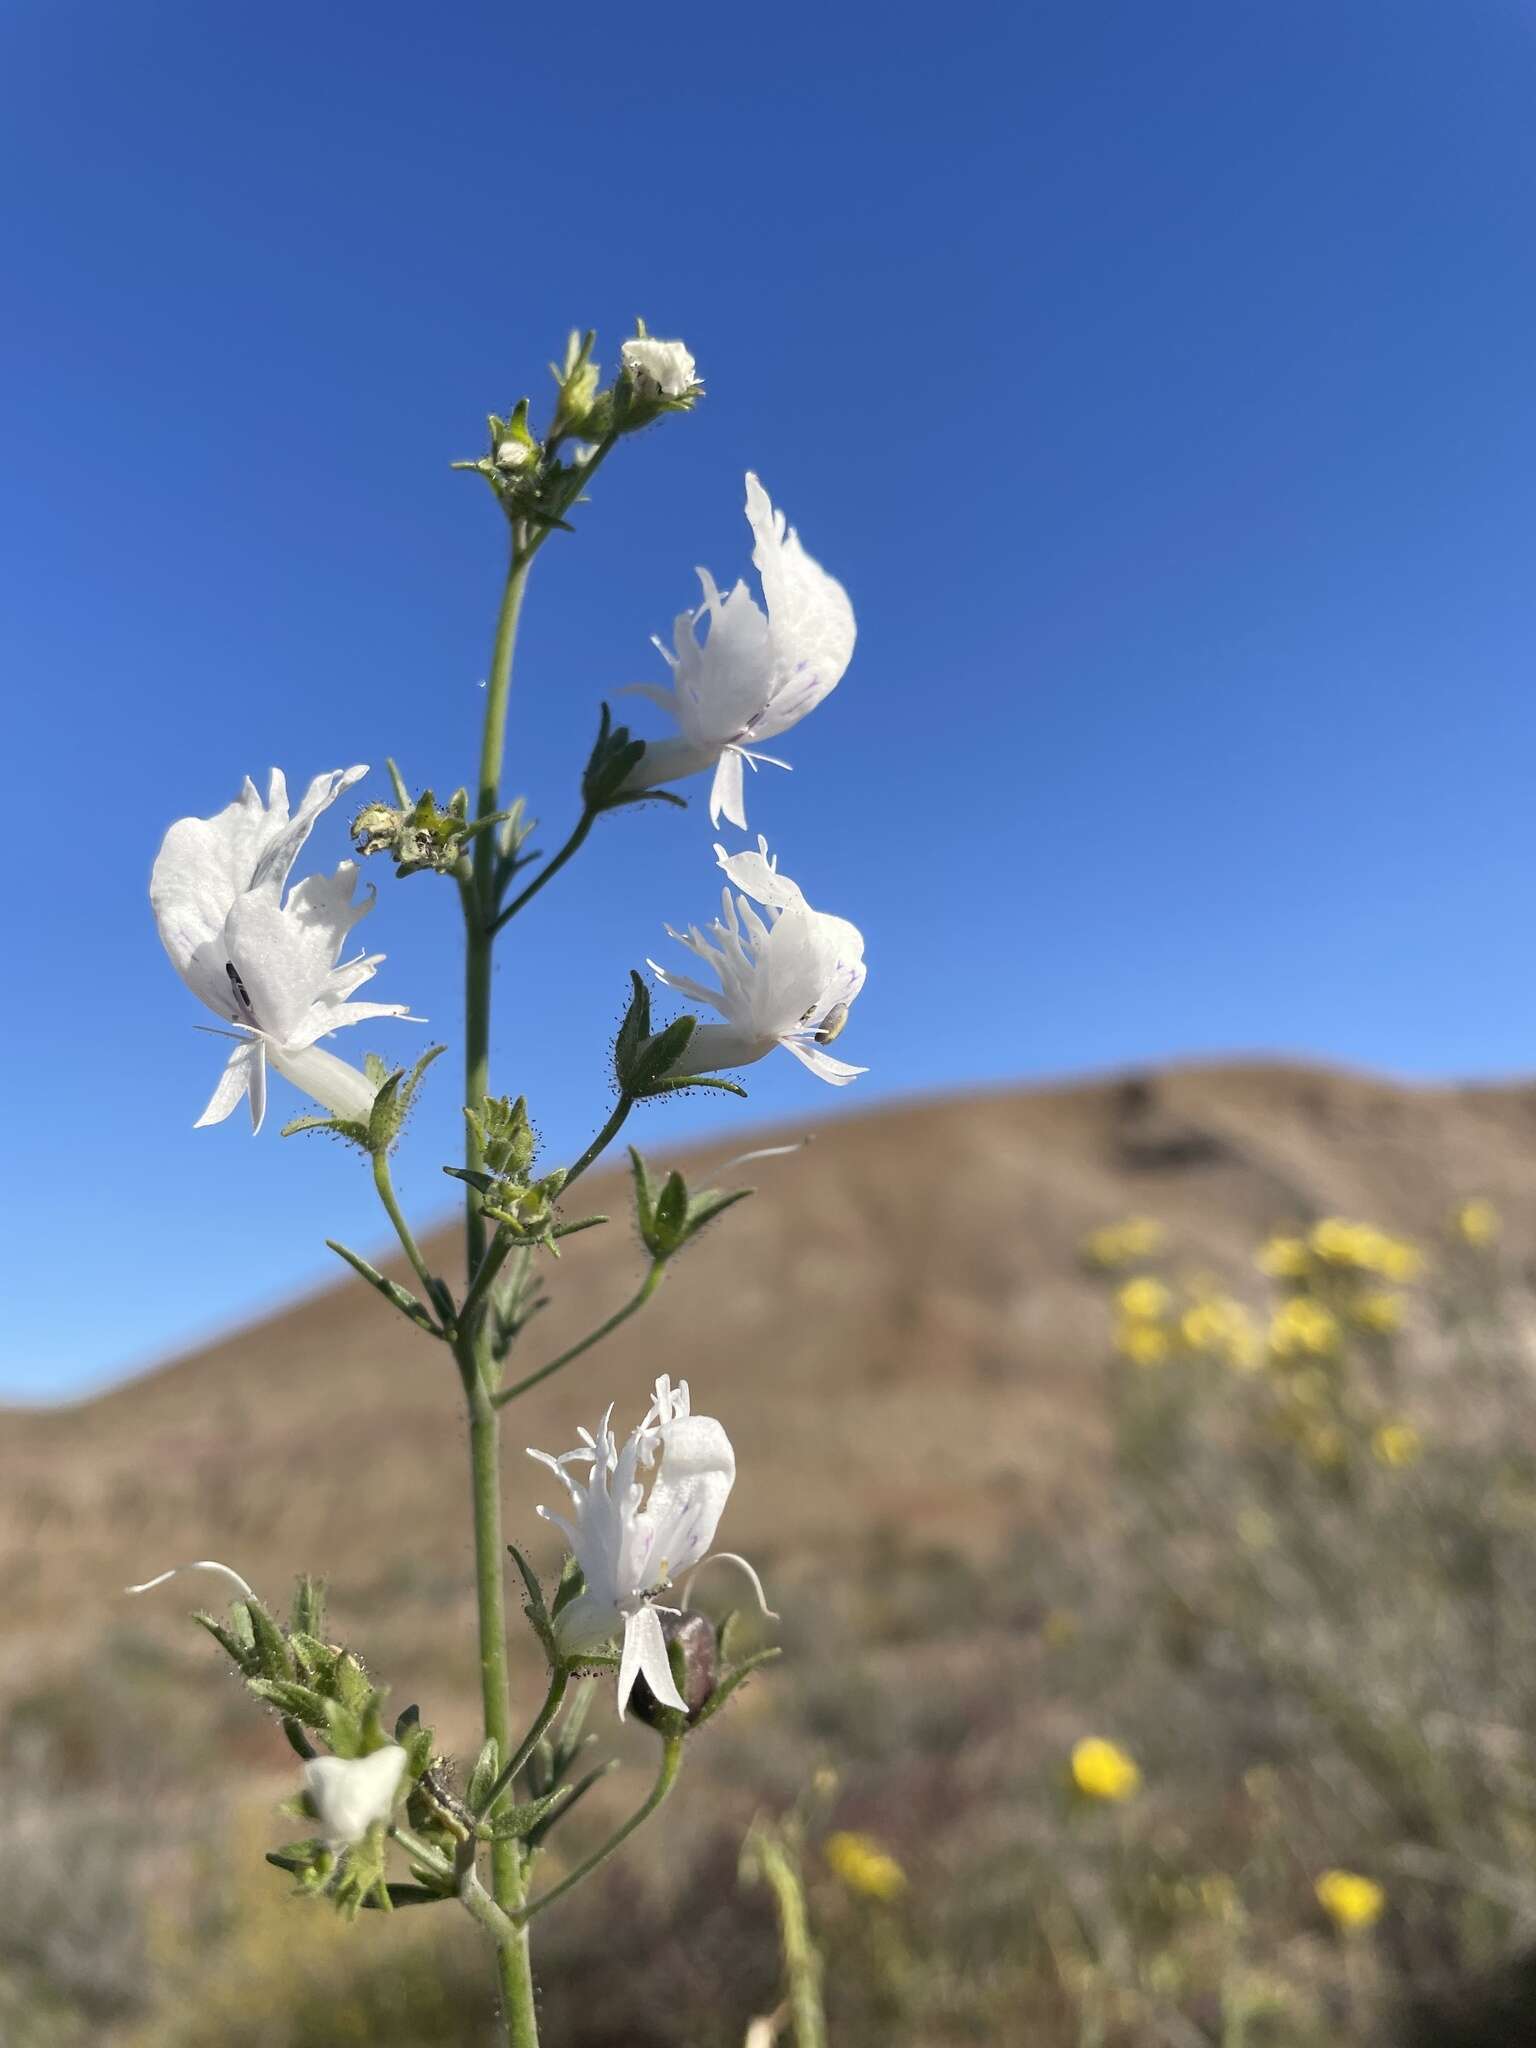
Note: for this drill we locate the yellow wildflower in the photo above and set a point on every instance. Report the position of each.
(863, 1866)
(1100, 1770)
(1121, 1244)
(1378, 1311)
(1364, 1248)
(1324, 1445)
(1351, 1902)
(1144, 1299)
(1396, 1259)
(1221, 1327)
(1143, 1343)
(1478, 1222)
(1397, 1444)
(1059, 1628)
(1284, 1258)
(1303, 1326)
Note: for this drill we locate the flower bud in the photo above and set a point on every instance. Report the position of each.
(692, 1653)
(660, 369)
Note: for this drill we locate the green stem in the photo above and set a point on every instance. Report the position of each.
(514, 1970)
(485, 1279)
(609, 1131)
(479, 895)
(666, 1777)
(802, 1959)
(384, 1182)
(637, 1301)
(516, 1973)
(547, 873)
(423, 1852)
(559, 1680)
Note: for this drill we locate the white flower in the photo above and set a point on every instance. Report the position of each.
(645, 1513)
(266, 966)
(785, 981)
(349, 1793)
(755, 674)
(660, 368)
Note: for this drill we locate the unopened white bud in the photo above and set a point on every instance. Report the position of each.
(350, 1793)
(659, 368)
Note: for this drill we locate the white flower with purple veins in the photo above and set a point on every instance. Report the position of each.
(788, 978)
(644, 1513)
(268, 967)
(756, 673)
(661, 369)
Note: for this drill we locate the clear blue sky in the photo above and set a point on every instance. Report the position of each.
(1159, 380)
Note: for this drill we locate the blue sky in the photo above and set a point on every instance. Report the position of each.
(1157, 379)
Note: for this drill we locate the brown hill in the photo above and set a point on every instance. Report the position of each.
(895, 1330)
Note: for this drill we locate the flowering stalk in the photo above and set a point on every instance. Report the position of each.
(265, 955)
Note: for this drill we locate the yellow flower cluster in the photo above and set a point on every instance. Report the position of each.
(1303, 1328)
(859, 1862)
(1336, 1244)
(1397, 1444)
(1101, 1770)
(1153, 1326)
(1477, 1223)
(1352, 1902)
(1123, 1244)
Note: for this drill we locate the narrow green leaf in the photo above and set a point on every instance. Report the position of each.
(397, 1296)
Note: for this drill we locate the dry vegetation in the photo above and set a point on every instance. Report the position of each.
(1003, 1506)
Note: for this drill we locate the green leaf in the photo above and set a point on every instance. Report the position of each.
(515, 1823)
(352, 1685)
(308, 1606)
(301, 1701)
(269, 1648)
(227, 1641)
(579, 1790)
(635, 1028)
(397, 1296)
(483, 1776)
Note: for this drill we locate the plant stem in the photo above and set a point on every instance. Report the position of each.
(666, 1777)
(609, 1131)
(384, 1182)
(514, 1970)
(647, 1288)
(802, 1959)
(479, 896)
(560, 1678)
(516, 1973)
(547, 873)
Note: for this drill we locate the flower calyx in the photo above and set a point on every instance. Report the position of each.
(394, 1096)
(644, 1060)
(669, 1216)
(705, 1670)
(607, 779)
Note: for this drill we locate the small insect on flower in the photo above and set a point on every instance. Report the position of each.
(1352, 1902)
(1101, 1770)
(831, 1026)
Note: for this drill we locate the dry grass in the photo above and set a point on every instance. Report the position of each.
(987, 1538)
